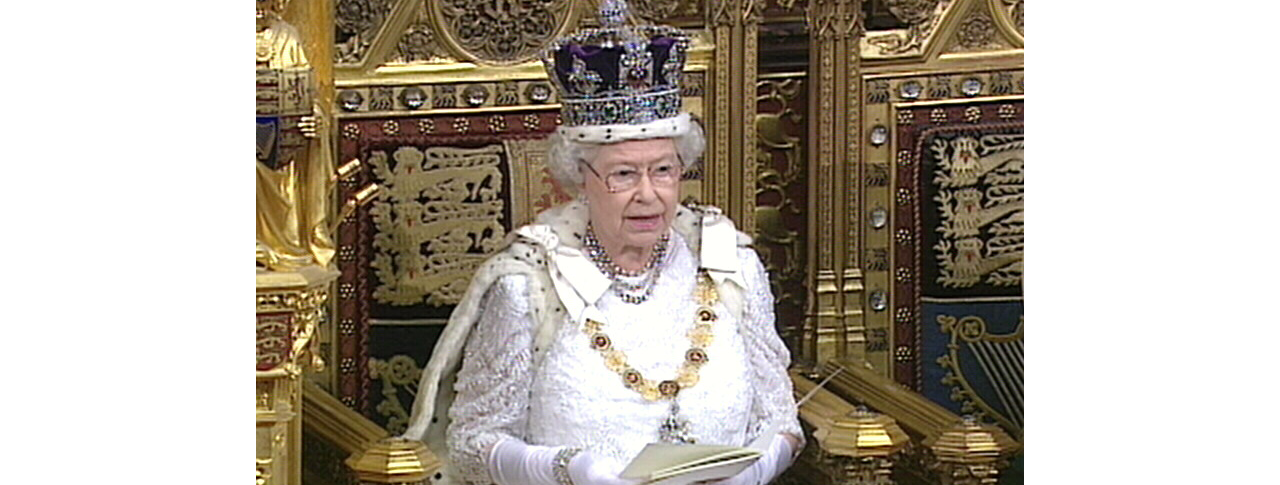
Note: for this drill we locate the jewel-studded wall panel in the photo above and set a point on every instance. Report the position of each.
(957, 257)
(890, 105)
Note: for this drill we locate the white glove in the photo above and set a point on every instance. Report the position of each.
(511, 462)
(588, 468)
(775, 459)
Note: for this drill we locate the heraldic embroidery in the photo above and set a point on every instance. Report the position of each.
(441, 218)
(979, 186)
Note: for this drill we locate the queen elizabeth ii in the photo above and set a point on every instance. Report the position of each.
(619, 319)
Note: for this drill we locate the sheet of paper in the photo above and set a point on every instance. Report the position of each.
(661, 462)
(712, 472)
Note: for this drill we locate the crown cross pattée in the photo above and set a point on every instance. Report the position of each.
(583, 79)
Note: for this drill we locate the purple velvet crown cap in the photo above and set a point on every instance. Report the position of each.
(619, 73)
(616, 67)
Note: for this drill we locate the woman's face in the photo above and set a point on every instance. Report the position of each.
(639, 215)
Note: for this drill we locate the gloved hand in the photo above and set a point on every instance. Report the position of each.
(512, 462)
(776, 458)
(588, 468)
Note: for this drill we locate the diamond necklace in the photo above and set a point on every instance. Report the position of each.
(627, 291)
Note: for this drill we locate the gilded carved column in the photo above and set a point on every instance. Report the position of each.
(290, 308)
(731, 159)
(294, 248)
(834, 326)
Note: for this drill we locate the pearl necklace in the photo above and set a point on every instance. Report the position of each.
(627, 291)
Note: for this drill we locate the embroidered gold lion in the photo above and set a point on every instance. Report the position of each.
(980, 186)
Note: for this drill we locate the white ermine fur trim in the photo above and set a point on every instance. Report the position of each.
(663, 128)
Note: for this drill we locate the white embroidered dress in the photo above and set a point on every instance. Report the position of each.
(569, 397)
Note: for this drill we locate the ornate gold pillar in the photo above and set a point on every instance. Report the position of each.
(730, 160)
(834, 326)
(290, 306)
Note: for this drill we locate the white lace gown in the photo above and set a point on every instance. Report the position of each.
(572, 399)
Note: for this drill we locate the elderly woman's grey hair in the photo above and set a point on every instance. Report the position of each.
(563, 155)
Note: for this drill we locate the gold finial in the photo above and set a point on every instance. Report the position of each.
(395, 460)
(362, 197)
(969, 442)
(346, 171)
(863, 433)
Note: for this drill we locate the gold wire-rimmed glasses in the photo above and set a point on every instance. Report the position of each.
(626, 177)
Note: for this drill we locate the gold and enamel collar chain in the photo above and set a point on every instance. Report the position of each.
(699, 335)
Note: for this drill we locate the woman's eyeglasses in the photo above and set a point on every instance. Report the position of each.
(623, 178)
